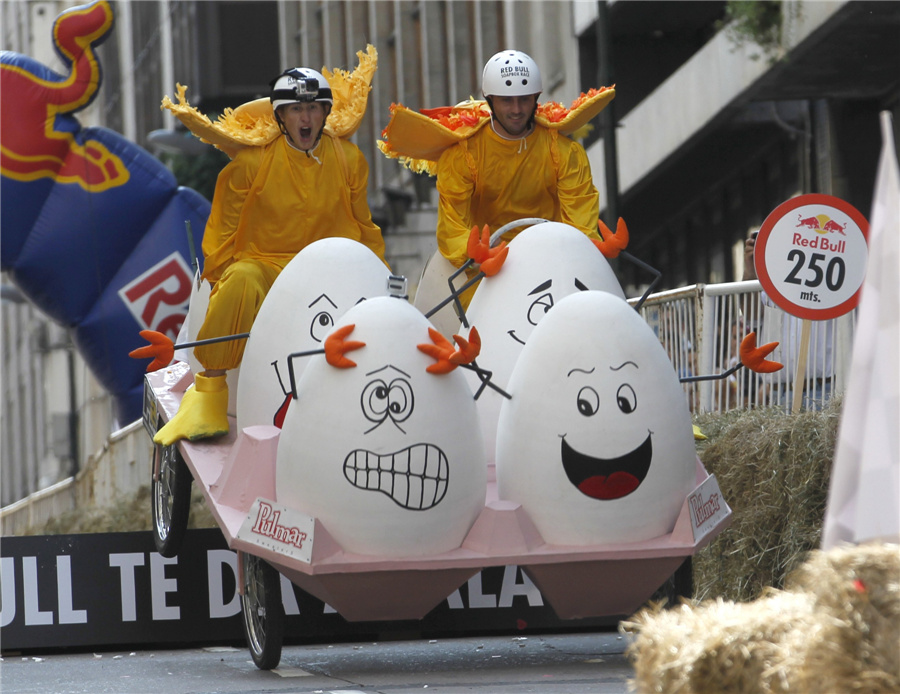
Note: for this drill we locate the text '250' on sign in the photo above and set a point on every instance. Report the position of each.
(811, 256)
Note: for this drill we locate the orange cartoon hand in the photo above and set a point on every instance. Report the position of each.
(610, 244)
(336, 347)
(440, 350)
(161, 348)
(446, 357)
(492, 265)
(754, 358)
(478, 248)
(468, 349)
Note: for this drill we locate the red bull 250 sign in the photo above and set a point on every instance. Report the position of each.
(811, 256)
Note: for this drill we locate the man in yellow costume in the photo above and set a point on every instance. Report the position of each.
(270, 202)
(514, 169)
(502, 159)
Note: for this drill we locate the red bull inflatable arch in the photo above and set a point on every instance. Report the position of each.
(94, 226)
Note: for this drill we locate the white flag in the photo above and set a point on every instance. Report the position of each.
(864, 495)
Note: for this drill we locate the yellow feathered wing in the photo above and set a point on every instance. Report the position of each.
(567, 120)
(417, 138)
(253, 124)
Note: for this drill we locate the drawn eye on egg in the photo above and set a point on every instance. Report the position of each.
(323, 320)
(626, 399)
(381, 401)
(543, 303)
(321, 326)
(588, 401)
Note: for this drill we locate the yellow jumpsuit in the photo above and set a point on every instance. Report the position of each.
(486, 179)
(271, 202)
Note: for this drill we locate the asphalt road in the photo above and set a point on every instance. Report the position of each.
(563, 664)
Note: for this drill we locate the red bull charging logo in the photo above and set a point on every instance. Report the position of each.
(821, 224)
(33, 147)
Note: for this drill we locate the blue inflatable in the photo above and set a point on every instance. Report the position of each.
(94, 227)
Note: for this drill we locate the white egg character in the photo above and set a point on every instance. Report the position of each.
(387, 455)
(596, 442)
(546, 262)
(315, 288)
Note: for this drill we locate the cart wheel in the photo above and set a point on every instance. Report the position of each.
(263, 611)
(170, 492)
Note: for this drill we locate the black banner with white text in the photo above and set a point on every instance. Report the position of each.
(114, 589)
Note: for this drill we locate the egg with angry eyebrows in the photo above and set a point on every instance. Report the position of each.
(315, 288)
(596, 443)
(382, 444)
(546, 262)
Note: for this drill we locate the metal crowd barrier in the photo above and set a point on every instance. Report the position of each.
(701, 327)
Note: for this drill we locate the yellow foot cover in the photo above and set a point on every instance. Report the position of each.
(203, 413)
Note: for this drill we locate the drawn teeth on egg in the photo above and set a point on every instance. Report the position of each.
(415, 478)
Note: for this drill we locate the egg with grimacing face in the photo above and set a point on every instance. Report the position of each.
(387, 455)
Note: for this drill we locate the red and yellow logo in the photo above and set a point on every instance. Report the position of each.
(32, 147)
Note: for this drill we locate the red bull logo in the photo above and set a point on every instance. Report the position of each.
(32, 147)
(159, 298)
(821, 224)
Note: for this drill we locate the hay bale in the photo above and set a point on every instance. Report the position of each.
(860, 586)
(835, 630)
(721, 647)
(774, 469)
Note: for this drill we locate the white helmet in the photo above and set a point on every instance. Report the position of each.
(300, 84)
(511, 73)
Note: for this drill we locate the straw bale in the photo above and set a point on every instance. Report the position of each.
(836, 630)
(720, 647)
(861, 587)
(773, 469)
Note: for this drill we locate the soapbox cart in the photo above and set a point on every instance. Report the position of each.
(236, 474)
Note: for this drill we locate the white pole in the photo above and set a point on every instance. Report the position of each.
(167, 59)
(126, 59)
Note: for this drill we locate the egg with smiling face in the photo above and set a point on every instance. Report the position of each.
(386, 455)
(546, 262)
(596, 442)
(315, 288)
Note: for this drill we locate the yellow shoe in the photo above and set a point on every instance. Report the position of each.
(203, 412)
(699, 435)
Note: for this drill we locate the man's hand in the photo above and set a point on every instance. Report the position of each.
(749, 262)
